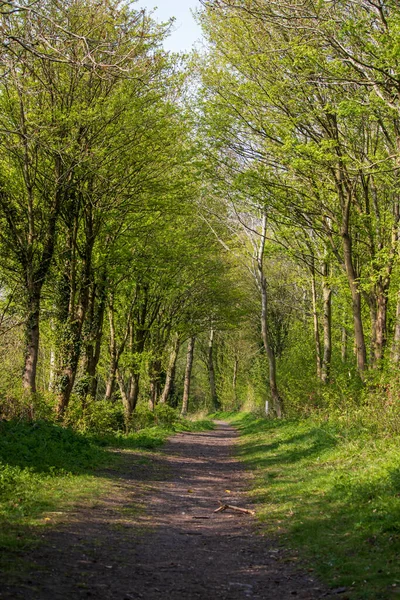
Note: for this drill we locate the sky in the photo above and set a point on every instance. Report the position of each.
(186, 31)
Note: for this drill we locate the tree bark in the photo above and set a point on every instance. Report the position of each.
(31, 342)
(171, 370)
(395, 352)
(359, 338)
(72, 343)
(381, 326)
(188, 376)
(327, 326)
(343, 348)
(276, 398)
(215, 403)
(155, 369)
(235, 377)
(113, 366)
(94, 337)
(317, 341)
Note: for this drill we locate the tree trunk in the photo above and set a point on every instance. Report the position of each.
(343, 348)
(372, 311)
(155, 369)
(133, 391)
(276, 399)
(395, 354)
(72, 343)
(235, 376)
(327, 325)
(94, 337)
(215, 403)
(188, 376)
(317, 340)
(32, 342)
(112, 374)
(359, 338)
(171, 370)
(52, 370)
(112, 370)
(381, 326)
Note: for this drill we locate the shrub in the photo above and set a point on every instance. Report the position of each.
(165, 416)
(142, 418)
(99, 417)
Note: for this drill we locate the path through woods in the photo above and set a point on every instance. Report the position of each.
(174, 546)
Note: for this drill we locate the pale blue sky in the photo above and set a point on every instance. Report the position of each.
(186, 31)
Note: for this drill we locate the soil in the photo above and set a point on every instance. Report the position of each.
(158, 535)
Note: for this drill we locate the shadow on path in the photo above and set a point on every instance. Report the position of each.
(158, 536)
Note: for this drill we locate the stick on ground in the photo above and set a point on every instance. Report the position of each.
(224, 507)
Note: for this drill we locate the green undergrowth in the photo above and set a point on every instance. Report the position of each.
(149, 438)
(331, 489)
(46, 468)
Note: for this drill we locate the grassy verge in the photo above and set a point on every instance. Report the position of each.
(332, 492)
(46, 469)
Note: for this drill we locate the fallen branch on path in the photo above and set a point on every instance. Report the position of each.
(224, 507)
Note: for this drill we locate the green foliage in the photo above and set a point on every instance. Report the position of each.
(45, 447)
(99, 417)
(330, 489)
(43, 466)
(165, 416)
(18, 405)
(142, 417)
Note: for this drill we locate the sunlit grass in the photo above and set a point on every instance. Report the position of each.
(47, 469)
(333, 495)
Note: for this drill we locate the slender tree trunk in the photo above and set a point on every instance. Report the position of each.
(125, 399)
(317, 341)
(133, 392)
(211, 373)
(112, 374)
(155, 369)
(395, 354)
(73, 329)
(372, 312)
(381, 326)
(171, 370)
(94, 337)
(52, 370)
(276, 398)
(129, 395)
(327, 325)
(359, 338)
(112, 370)
(31, 341)
(137, 341)
(188, 376)
(234, 378)
(343, 347)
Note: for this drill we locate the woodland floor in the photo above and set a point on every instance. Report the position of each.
(158, 535)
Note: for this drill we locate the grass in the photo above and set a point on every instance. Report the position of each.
(47, 469)
(332, 492)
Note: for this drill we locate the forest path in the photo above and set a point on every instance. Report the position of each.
(174, 546)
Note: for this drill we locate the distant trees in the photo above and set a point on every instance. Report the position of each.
(219, 229)
(301, 103)
(100, 240)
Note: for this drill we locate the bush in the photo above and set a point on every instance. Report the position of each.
(19, 405)
(165, 416)
(46, 447)
(142, 418)
(98, 417)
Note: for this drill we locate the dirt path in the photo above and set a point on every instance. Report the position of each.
(177, 548)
